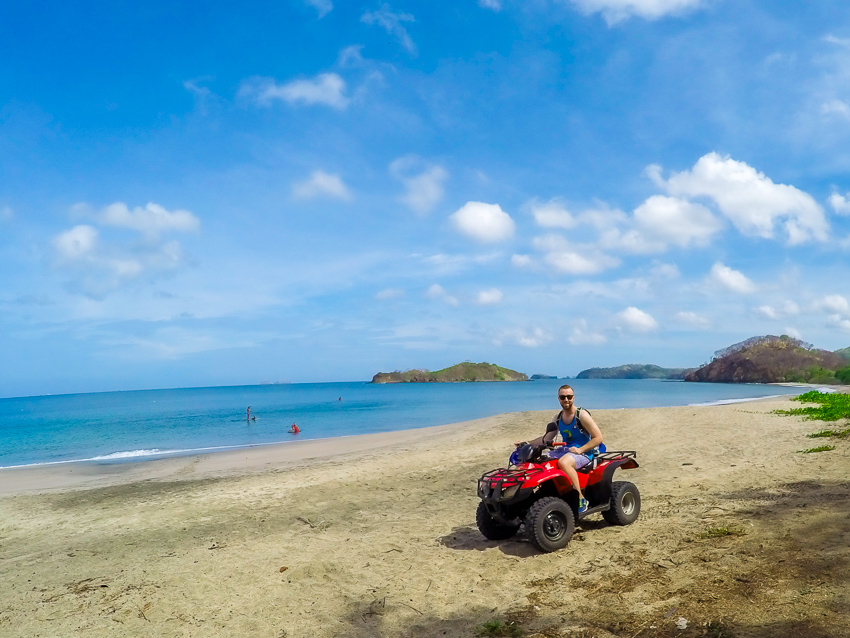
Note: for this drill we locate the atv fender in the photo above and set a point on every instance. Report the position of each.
(599, 492)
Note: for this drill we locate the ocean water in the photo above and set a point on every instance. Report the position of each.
(113, 427)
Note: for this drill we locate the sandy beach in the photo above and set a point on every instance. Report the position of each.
(375, 536)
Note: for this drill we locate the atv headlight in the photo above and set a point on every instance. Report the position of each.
(509, 492)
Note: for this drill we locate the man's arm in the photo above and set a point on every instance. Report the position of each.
(593, 430)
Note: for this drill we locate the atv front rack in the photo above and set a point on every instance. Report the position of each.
(502, 479)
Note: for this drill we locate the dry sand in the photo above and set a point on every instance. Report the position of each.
(375, 536)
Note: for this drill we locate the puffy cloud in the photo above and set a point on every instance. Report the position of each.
(534, 338)
(750, 200)
(493, 5)
(489, 297)
(573, 263)
(551, 214)
(521, 261)
(615, 11)
(389, 293)
(325, 88)
(676, 221)
(423, 182)
(483, 222)
(75, 244)
(351, 56)
(636, 320)
(97, 265)
(324, 7)
(581, 336)
(729, 279)
(321, 184)
(436, 291)
(692, 319)
(836, 107)
(768, 312)
(839, 203)
(392, 23)
(152, 220)
(835, 303)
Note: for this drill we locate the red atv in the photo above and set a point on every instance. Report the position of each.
(538, 494)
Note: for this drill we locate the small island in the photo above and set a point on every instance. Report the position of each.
(634, 371)
(460, 372)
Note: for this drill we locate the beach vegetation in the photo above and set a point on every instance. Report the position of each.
(820, 448)
(820, 434)
(830, 406)
(497, 627)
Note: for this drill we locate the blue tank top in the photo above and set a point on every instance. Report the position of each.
(571, 433)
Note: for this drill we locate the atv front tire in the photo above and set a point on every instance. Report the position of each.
(549, 524)
(625, 504)
(490, 527)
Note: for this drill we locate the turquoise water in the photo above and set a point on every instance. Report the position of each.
(116, 426)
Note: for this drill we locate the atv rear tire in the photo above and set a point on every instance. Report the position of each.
(549, 524)
(490, 527)
(625, 504)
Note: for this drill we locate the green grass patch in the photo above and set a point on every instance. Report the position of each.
(820, 448)
(721, 532)
(830, 406)
(498, 628)
(821, 434)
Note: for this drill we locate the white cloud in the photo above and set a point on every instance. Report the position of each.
(389, 293)
(792, 332)
(436, 291)
(573, 263)
(581, 336)
(151, 221)
(842, 42)
(636, 320)
(534, 338)
(750, 200)
(732, 280)
(839, 203)
(96, 264)
(839, 322)
(325, 88)
(790, 308)
(324, 7)
(615, 11)
(351, 56)
(551, 214)
(483, 222)
(835, 303)
(423, 182)
(836, 107)
(768, 312)
(676, 221)
(665, 271)
(321, 184)
(692, 319)
(493, 5)
(521, 261)
(392, 24)
(75, 244)
(489, 297)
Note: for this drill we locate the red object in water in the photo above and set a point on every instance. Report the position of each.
(294, 429)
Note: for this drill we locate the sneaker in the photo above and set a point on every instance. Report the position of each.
(582, 505)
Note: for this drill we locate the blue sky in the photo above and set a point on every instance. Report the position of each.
(317, 190)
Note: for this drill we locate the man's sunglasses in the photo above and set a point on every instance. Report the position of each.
(566, 396)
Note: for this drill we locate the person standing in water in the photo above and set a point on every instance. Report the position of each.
(294, 429)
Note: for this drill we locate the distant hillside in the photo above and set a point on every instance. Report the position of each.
(634, 371)
(772, 359)
(542, 376)
(460, 372)
(843, 352)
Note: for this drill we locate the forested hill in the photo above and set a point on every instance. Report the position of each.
(772, 359)
(634, 371)
(460, 372)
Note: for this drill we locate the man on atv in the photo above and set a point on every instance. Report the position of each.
(581, 438)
